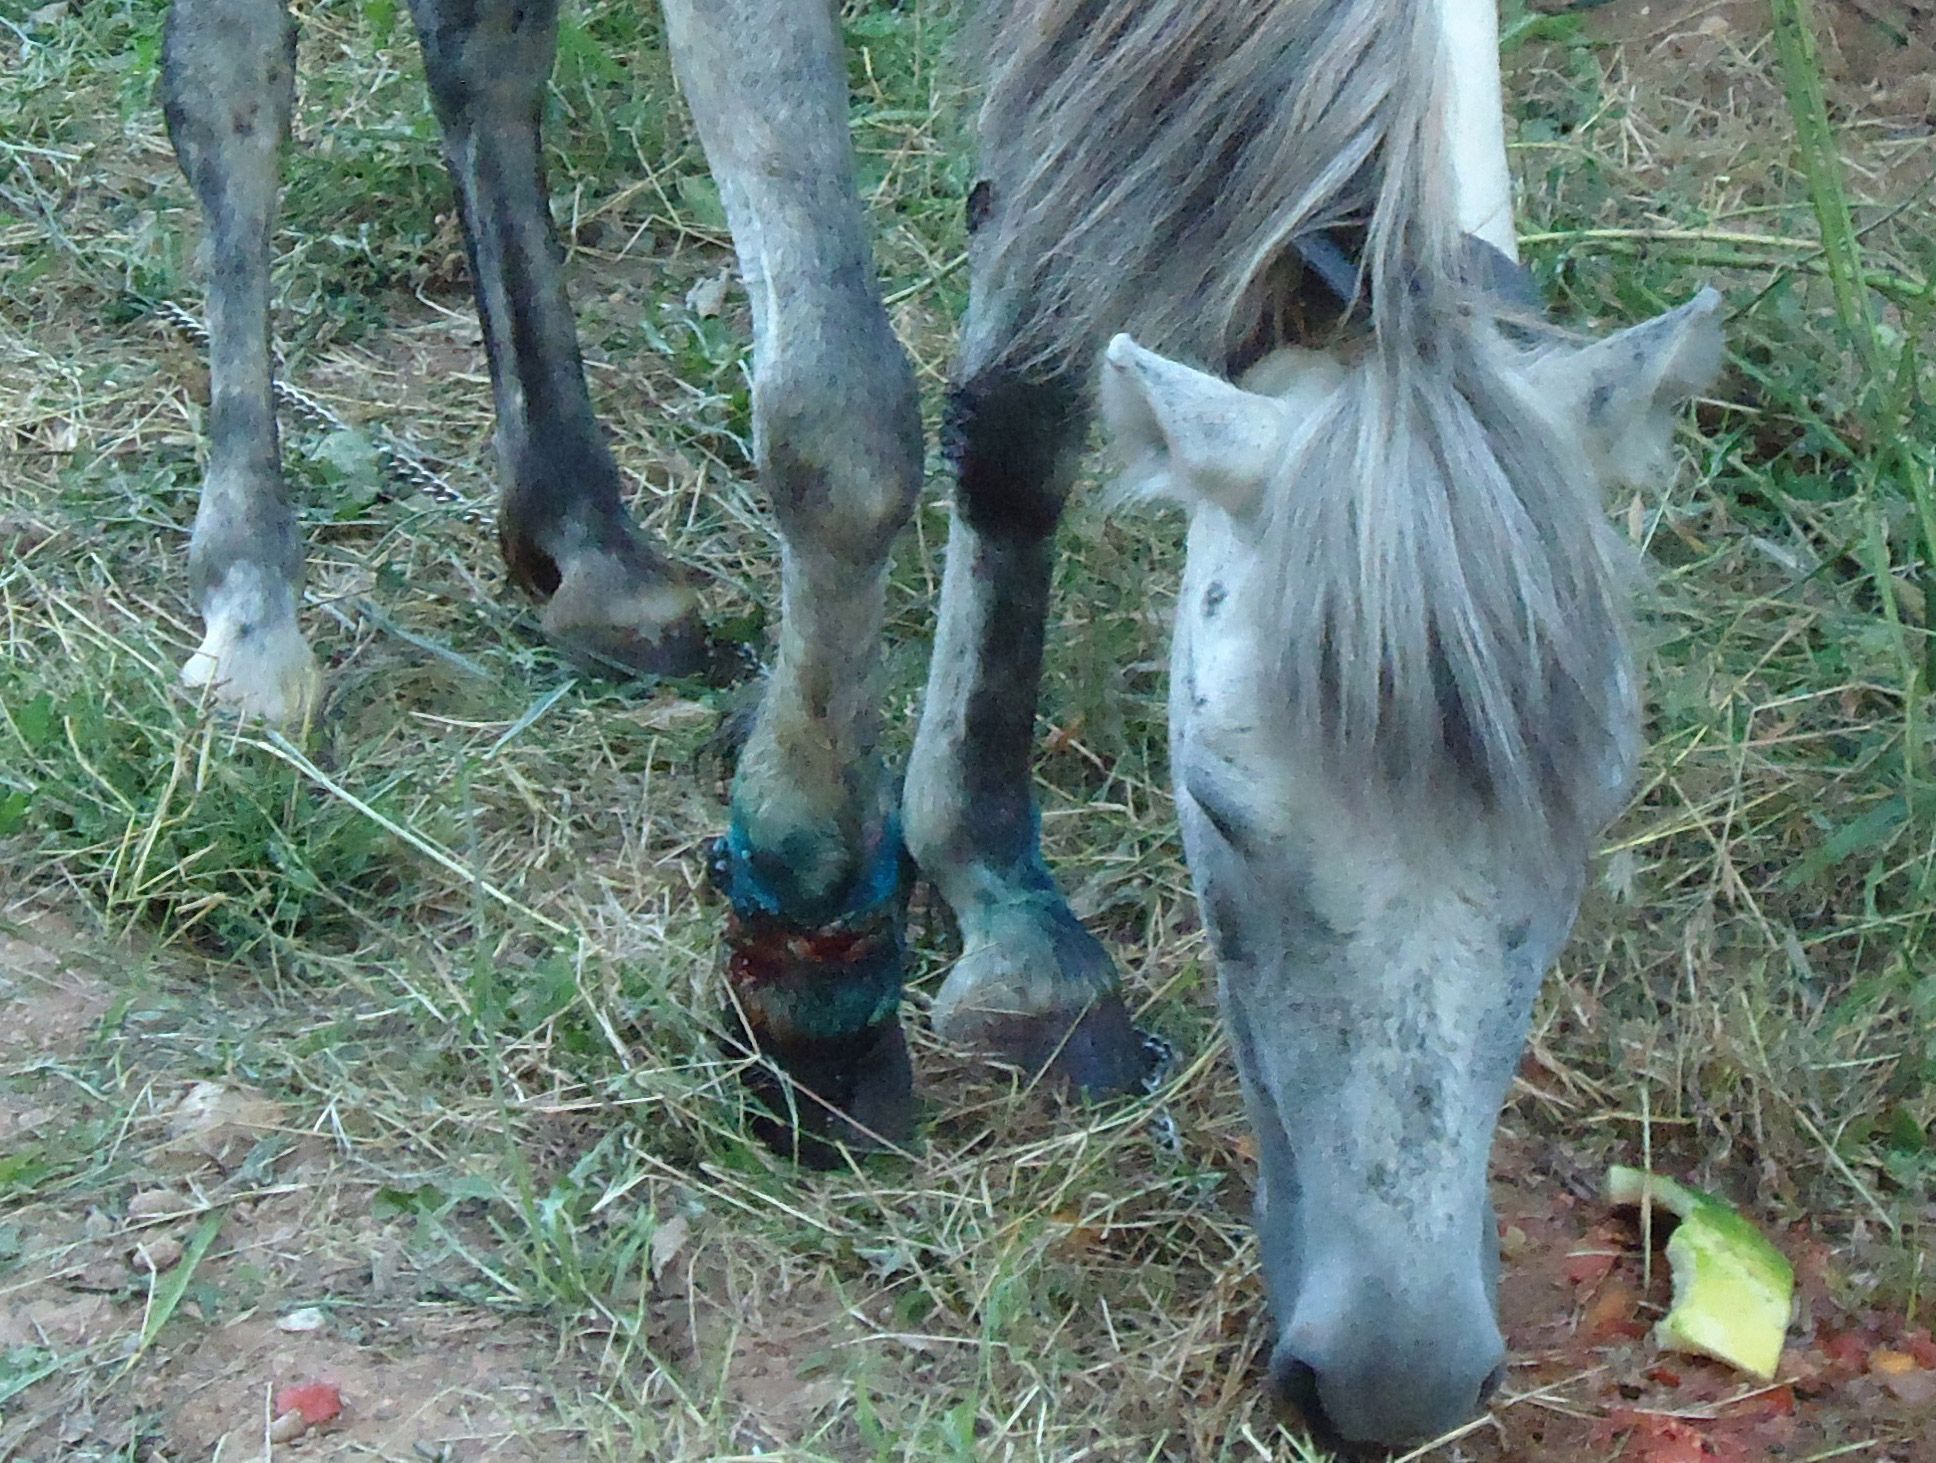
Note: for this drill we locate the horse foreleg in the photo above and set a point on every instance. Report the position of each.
(612, 598)
(812, 863)
(227, 86)
(1032, 985)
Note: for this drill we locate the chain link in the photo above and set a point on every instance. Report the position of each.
(1162, 1056)
(409, 465)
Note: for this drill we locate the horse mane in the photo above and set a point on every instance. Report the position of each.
(1453, 603)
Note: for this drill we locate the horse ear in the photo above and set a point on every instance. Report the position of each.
(1622, 392)
(1185, 435)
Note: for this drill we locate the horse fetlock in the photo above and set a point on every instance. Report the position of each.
(805, 871)
(1036, 990)
(253, 657)
(500, 50)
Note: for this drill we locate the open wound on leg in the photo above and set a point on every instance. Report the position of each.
(253, 657)
(818, 1001)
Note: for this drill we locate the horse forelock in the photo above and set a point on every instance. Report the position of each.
(1452, 602)
(1447, 601)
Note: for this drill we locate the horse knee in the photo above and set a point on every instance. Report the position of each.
(837, 431)
(1014, 442)
(228, 86)
(491, 54)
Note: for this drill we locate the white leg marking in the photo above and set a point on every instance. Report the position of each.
(253, 656)
(1478, 122)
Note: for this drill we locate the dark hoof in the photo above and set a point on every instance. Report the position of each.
(614, 607)
(1098, 1054)
(1107, 1055)
(622, 652)
(1042, 994)
(817, 1099)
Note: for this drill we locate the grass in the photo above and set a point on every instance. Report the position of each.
(457, 941)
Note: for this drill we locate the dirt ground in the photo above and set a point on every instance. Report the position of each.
(227, 1194)
(261, 1234)
(1880, 60)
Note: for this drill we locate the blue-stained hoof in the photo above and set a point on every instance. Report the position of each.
(817, 1008)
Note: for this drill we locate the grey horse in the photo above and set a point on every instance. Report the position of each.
(1402, 698)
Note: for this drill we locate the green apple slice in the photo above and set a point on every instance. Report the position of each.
(1732, 1289)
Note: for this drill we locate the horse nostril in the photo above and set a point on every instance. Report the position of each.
(1369, 1408)
(1294, 1388)
(1491, 1383)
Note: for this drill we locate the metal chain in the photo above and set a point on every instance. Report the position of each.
(408, 464)
(1162, 1056)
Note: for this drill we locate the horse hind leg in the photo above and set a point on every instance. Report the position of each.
(612, 599)
(812, 864)
(1032, 986)
(227, 87)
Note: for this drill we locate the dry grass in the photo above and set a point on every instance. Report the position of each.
(457, 937)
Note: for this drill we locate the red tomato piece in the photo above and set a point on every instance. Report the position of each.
(318, 1402)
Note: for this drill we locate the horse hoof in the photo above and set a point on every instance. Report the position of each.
(1037, 991)
(253, 659)
(1095, 1052)
(614, 604)
(605, 621)
(1105, 1054)
(814, 1100)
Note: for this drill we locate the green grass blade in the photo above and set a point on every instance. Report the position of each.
(169, 1292)
(1801, 73)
